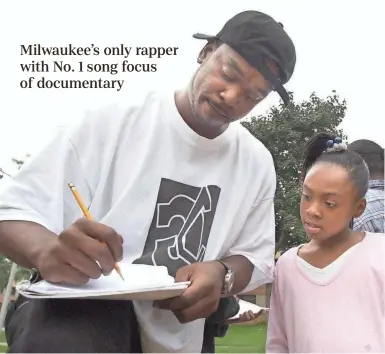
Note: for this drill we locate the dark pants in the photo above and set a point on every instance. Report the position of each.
(208, 345)
(214, 325)
(72, 326)
(88, 326)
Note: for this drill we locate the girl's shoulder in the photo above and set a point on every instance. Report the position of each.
(288, 258)
(375, 244)
(376, 236)
(375, 240)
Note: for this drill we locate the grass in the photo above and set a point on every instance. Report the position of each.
(239, 339)
(3, 343)
(243, 339)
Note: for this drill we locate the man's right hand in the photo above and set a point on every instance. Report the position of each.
(71, 258)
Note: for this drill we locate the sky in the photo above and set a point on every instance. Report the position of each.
(338, 46)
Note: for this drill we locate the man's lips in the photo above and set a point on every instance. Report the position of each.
(218, 109)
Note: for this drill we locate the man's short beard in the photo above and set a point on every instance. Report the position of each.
(191, 96)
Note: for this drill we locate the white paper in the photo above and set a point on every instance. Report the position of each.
(137, 278)
(245, 306)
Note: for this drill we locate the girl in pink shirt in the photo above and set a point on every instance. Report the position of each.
(328, 294)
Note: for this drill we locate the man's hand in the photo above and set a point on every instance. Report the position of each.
(71, 257)
(201, 298)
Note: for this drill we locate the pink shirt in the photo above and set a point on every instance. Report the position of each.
(343, 315)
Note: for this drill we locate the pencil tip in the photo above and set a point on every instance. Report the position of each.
(119, 272)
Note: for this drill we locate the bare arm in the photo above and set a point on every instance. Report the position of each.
(22, 241)
(84, 250)
(242, 268)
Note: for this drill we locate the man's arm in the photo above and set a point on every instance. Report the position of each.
(243, 270)
(73, 257)
(41, 225)
(22, 241)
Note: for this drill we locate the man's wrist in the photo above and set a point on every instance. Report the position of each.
(228, 278)
(224, 266)
(242, 269)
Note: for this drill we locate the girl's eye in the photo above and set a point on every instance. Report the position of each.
(306, 197)
(330, 205)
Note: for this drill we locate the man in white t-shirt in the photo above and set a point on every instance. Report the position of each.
(170, 181)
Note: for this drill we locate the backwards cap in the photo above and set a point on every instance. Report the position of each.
(258, 38)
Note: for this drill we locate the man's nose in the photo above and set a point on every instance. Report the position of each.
(231, 95)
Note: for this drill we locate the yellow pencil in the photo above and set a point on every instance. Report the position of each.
(87, 214)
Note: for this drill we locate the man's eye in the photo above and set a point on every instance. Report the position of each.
(330, 205)
(227, 77)
(227, 74)
(253, 97)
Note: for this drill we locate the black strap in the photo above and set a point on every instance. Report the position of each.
(224, 264)
(274, 81)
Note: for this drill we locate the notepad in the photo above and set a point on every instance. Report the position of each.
(142, 282)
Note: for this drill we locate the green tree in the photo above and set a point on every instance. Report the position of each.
(5, 264)
(5, 269)
(284, 131)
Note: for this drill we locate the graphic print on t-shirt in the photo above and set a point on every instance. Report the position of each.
(181, 225)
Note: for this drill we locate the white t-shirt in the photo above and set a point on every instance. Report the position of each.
(323, 275)
(175, 197)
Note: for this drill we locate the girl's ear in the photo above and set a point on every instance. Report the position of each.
(360, 208)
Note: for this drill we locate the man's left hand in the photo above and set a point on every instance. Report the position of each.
(202, 297)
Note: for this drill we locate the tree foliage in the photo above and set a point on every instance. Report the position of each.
(5, 270)
(284, 131)
(5, 264)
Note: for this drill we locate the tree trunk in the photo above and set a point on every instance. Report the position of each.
(282, 241)
(268, 294)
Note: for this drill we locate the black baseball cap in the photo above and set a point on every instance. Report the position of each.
(257, 37)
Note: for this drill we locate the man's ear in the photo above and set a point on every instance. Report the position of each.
(206, 52)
